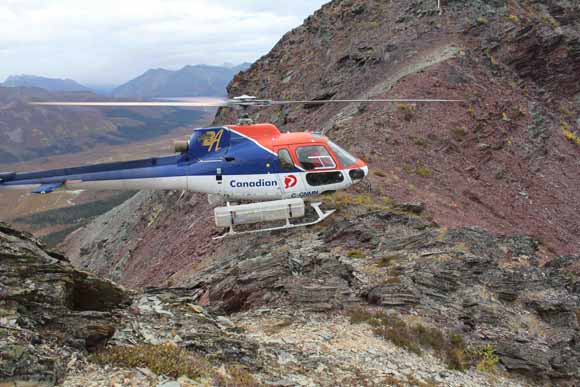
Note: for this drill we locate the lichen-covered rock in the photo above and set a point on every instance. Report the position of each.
(48, 310)
(496, 290)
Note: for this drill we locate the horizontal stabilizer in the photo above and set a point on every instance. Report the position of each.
(6, 176)
(47, 188)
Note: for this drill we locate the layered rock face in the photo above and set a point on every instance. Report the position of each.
(495, 257)
(494, 290)
(48, 310)
(285, 297)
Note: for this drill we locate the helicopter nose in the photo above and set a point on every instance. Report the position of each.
(366, 170)
(359, 173)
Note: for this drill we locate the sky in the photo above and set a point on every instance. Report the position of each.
(109, 42)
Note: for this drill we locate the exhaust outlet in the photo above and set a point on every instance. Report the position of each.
(181, 146)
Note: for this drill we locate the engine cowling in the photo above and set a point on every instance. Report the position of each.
(181, 146)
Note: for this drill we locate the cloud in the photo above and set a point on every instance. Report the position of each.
(110, 41)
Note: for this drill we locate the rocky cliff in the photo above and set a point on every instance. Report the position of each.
(381, 297)
(48, 310)
(506, 159)
(493, 260)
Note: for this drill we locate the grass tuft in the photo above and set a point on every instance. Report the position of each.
(173, 361)
(408, 110)
(482, 20)
(356, 254)
(415, 338)
(164, 359)
(388, 260)
(513, 18)
(237, 376)
(488, 360)
(571, 136)
(459, 134)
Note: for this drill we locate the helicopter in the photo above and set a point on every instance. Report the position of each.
(252, 162)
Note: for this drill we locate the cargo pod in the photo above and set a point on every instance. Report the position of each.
(276, 210)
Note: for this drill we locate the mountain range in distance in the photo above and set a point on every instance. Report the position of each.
(48, 84)
(189, 81)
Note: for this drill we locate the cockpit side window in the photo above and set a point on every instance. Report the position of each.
(285, 160)
(315, 157)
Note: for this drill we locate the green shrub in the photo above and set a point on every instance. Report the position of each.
(571, 136)
(359, 315)
(238, 376)
(418, 169)
(513, 18)
(356, 254)
(429, 337)
(482, 20)
(459, 133)
(487, 359)
(408, 110)
(415, 338)
(388, 260)
(379, 173)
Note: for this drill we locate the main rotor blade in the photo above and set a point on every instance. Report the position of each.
(134, 104)
(323, 101)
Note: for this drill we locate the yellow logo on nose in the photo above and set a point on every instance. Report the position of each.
(212, 140)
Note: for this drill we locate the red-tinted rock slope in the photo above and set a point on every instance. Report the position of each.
(506, 159)
(500, 160)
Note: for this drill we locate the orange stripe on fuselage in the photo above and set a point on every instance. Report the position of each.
(269, 136)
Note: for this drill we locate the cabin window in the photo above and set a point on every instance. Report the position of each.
(315, 157)
(324, 178)
(285, 160)
(345, 158)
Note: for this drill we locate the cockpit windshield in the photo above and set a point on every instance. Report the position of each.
(315, 157)
(345, 158)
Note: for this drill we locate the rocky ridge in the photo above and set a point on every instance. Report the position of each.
(503, 160)
(48, 310)
(494, 258)
(283, 314)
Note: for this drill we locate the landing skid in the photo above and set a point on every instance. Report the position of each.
(321, 216)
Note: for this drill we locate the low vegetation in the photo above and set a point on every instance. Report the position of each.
(482, 20)
(417, 337)
(458, 134)
(165, 359)
(408, 110)
(75, 214)
(418, 169)
(356, 254)
(72, 217)
(513, 18)
(173, 361)
(54, 238)
(342, 200)
(379, 173)
(388, 260)
(488, 360)
(570, 136)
